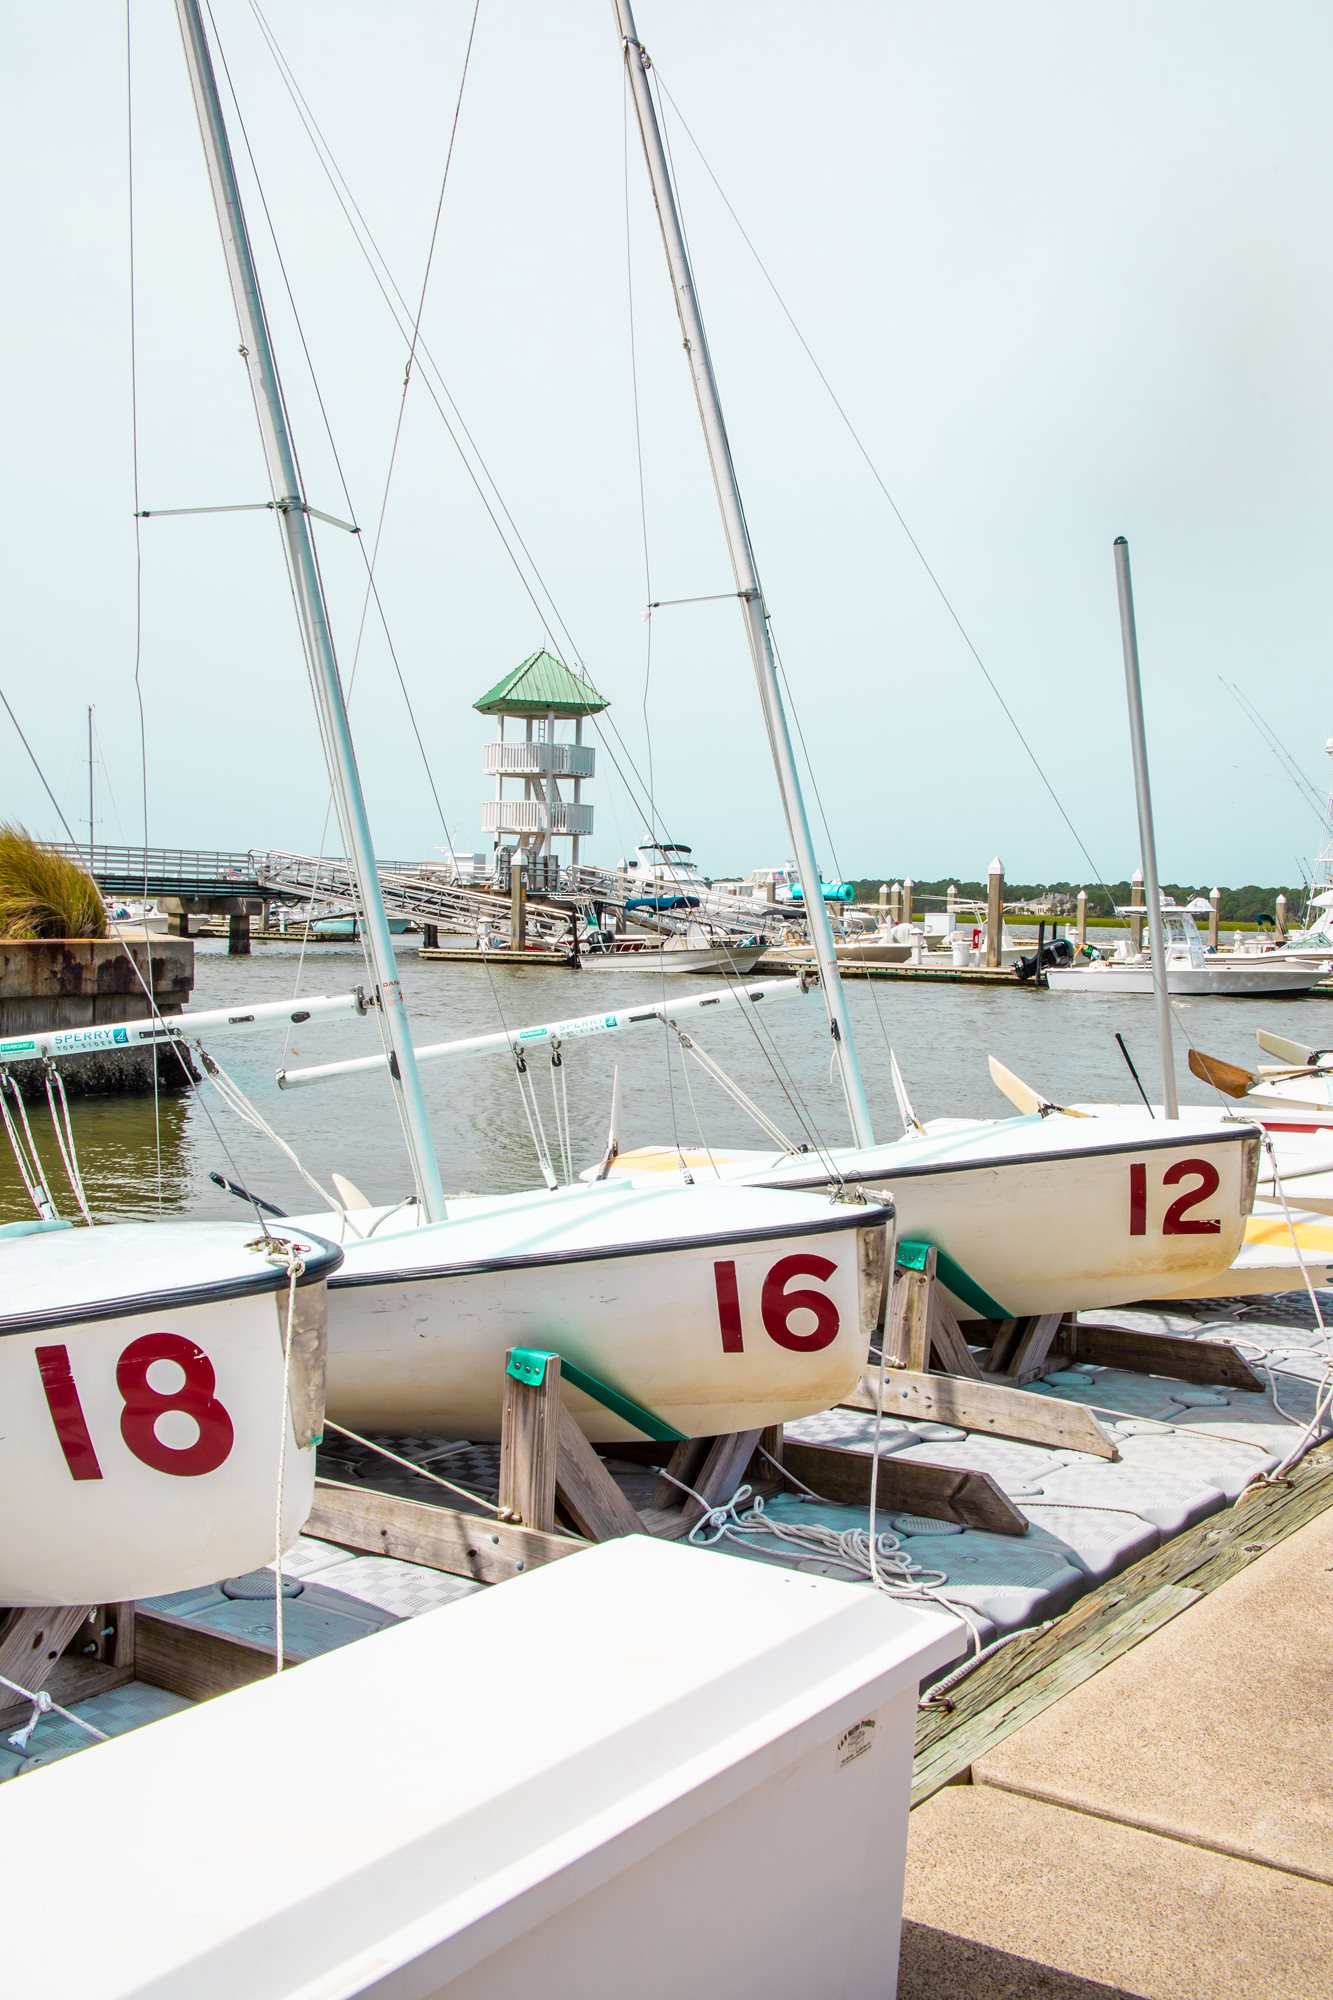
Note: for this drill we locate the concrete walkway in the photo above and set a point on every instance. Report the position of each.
(1165, 1831)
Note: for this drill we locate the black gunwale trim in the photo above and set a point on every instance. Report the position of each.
(852, 1215)
(320, 1265)
(856, 1177)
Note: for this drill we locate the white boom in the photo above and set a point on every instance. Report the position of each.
(165, 1028)
(519, 1041)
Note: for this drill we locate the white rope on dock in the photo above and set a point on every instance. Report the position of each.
(44, 1704)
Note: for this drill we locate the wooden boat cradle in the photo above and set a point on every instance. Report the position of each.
(557, 1493)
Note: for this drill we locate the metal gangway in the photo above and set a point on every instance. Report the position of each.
(423, 892)
(736, 916)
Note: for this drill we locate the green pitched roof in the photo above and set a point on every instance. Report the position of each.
(543, 685)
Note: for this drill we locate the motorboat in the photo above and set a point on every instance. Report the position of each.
(1191, 970)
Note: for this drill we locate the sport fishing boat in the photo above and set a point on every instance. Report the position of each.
(696, 949)
(1189, 968)
(436, 1293)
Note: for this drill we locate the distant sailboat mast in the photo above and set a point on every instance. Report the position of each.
(293, 515)
(747, 576)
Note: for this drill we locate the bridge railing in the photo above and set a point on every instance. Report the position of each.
(164, 868)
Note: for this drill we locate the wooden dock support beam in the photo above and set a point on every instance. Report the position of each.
(238, 934)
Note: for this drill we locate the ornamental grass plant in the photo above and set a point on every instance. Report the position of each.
(45, 895)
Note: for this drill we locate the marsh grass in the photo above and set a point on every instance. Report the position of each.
(44, 895)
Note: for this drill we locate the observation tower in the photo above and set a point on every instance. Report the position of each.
(543, 695)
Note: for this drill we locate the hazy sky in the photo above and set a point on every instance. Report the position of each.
(1065, 266)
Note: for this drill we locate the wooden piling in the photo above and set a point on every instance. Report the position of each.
(518, 918)
(1082, 931)
(1214, 907)
(238, 934)
(1136, 900)
(994, 912)
(1280, 917)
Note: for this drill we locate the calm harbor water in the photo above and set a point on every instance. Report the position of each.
(1063, 1044)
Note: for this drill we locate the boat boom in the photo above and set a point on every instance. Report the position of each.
(550, 1034)
(167, 1028)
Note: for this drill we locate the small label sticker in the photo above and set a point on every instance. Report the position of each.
(854, 1742)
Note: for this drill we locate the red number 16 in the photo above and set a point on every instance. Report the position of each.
(777, 1304)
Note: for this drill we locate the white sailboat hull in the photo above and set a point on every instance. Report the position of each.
(141, 1434)
(683, 1299)
(671, 959)
(1043, 1215)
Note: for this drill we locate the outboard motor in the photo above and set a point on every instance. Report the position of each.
(1058, 952)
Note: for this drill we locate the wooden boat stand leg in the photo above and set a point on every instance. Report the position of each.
(72, 1651)
(935, 1375)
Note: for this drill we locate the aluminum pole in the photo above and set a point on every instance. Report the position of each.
(1147, 840)
(745, 572)
(293, 515)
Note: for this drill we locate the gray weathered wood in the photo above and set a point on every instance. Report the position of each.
(34, 1639)
(195, 1660)
(33, 1652)
(941, 1492)
(586, 1490)
(949, 1348)
(1157, 1354)
(442, 1537)
(1035, 1335)
(990, 1406)
(529, 1446)
(907, 1326)
(1029, 1674)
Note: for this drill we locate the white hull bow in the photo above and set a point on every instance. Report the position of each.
(141, 1376)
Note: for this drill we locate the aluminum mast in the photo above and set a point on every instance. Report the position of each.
(746, 575)
(309, 592)
(1129, 641)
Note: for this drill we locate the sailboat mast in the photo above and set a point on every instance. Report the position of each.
(91, 836)
(746, 574)
(308, 587)
(1129, 641)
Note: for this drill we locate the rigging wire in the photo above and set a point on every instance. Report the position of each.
(875, 474)
(549, 616)
(1303, 785)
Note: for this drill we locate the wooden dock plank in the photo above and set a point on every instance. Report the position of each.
(1033, 1671)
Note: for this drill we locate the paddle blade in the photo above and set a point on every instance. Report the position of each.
(1021, 1095)
(1229, 1078)
(348, 1193)
(1286, 1050)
